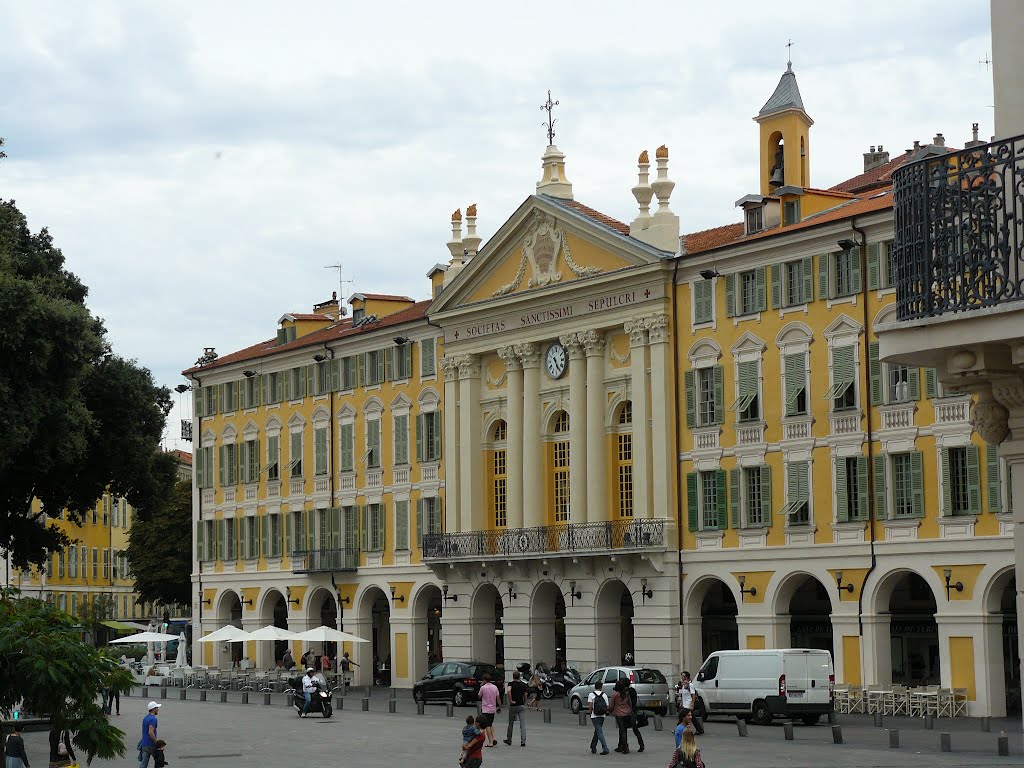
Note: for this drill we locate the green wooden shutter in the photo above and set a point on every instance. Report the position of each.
(766, 495)
(776, 286)
(279, 383)
(401, 439)
(264, 523)
(721, 499)
(917, 482)
(428, 361)
(198, 397)
(347, 432)
(760, 278)
(690, 393)
(200, 468)
(691, 502)
(855, 270)
(364, 524)
(702, 303)
(289, 534)
(875, 373)
(824, 291)
(808, 276)
(719, 394)
(861, 512)
(931, 388)
(730, 295)
(436, 446)
(420, 432)
(320, 449)
(222, 453)
(734, 497)
(842, 498)
(796, 380)
(992, 490)
(389, 364)
(419, 523)
(748, 378)
(200, 542)
(873, 281)
(380, 367)
(914, 383)
(973, 481)
(947, 503)
(880, 488)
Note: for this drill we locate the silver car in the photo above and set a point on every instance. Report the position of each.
(650, 685)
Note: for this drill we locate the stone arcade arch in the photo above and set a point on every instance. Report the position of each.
(229, 611)
(547, 624)
(273, 610)
(712, 609)
(374, 619)
(613, 623)
(322, 609)
(1000, 600)
(807, 602)
(427, 647)
(913, 633)
(486, 612)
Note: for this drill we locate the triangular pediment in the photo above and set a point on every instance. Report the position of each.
(546, 242)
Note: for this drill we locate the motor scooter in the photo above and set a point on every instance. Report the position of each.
(321, 700)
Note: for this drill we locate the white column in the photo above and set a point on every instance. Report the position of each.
(449, 368)
(533, 467)
(471, 511)
(662, 464)
(877, 650)
(514, 450)
(637, 330)
(597, 493)
(578, 453)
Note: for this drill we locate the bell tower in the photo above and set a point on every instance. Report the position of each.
(784, 144)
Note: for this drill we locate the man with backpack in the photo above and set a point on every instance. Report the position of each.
(597, 704)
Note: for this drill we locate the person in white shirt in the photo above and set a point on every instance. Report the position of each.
(687, 698)
(308, 689)
(597, 715)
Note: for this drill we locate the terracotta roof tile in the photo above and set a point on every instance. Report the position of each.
(339, 330)
(880, 176)
(706, 239)
(380, 297)
(829, 192)
(183, 456)
(301, 316)
(600, 218)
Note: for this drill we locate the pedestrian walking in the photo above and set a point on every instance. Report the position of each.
(345, 664)
(683, 725)
(516, 708)
(620, 710)
(634, 716)
(687, 755)
(159, 759)
(686, 698)
(61, 751)
(147, 744)
(469, 730)
(597, 705)
(489, 695)
(534, 691)
(287, 661)
(15, 749)
(472, 751)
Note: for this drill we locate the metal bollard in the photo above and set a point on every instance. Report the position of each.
(366, 705)
(163, 693)
(449, 709)
(547, 715)
(419, 707)
(894, 738)
(339, 704)
(392, 693)
(1003, 744)
(986, 724)
(833, 717)
(245, 697)
(145, 691)
(565, 702)
(181, 694)
(266, 698)
(878, 719)
(787, 729)
(392, 704)
(658, 725)
(837, 734)
(741, 726)
(223, 696)
(929, 721)
(583, 718)
(202, 694)
(945, 742)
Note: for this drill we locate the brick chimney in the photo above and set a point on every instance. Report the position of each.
(874, 157)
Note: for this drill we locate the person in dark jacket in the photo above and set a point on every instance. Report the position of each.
(15, 749)
(58, 737)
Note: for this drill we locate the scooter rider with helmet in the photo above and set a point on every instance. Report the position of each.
(308, 688)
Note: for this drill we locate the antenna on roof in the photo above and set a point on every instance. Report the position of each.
(342, 282)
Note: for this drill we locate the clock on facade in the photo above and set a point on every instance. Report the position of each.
(555, 361)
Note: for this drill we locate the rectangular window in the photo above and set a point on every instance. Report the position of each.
(709, 500)
(428, 436)
(399, 362)
(754, 218)
(95, 512)
(60, 564)
(229, 465)
(794, 286)
(321, 451)
(73, 562)
(275, 535)
(210, 393)
(796, 384)
(902, 485)
(251, 461)
(428, 360)
(230, 539)
(847, 272)
(499, 487)
(748, 292)
(274, 458)
(296, 528)
(251, 390)
(373, 459)
(401, 423)
(349, 372)
(560, 476)
(375, 513)
(705, 396)
(842, 393)
(898, 385)
(373, 367)
(624, 460)
(346, 435)
(95, 563)
(791, 212)
(322, 377)
(204, 467)
(852, 488)
(252, 536)
(295, 455)
(746, 403)
(229, 397)
(703, 301)
(798, 493)
(401, 525)
(888, 256)
(961, 480)
(753, 501)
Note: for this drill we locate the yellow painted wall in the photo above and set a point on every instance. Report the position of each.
(851, 660)
(964, 574)
(755, 642)
(400, 655)
(961, 660)
(793, 126)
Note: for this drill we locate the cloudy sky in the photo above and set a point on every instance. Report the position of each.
(200, 163)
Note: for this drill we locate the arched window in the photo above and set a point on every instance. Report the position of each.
(499, 477)
(560, 468)
(624, 459)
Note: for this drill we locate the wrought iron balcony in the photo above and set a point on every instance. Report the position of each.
(571, 538)
(325, 560)
(960, 230)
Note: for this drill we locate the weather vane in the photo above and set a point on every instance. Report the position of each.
(789, 53)
(550, 124)
(986, 61)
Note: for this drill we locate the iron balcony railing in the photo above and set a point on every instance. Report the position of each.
(325, 560)
(960, 230)
(620, 535)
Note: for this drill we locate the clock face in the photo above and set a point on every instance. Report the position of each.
(555, 361)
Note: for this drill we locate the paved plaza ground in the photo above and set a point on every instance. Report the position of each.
(220, 735)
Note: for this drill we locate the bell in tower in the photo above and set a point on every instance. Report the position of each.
(784, 137)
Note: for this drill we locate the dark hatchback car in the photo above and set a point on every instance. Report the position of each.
(456, 681)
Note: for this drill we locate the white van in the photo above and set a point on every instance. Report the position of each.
(794, 683)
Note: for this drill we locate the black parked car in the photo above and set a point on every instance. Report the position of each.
(456, 681)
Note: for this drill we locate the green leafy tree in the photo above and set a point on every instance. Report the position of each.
(75, 419)
(46, 668)
(160, 549)
(92, 615)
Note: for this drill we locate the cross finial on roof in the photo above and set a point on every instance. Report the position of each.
(789, 55)
(550, 124)
(986, 61)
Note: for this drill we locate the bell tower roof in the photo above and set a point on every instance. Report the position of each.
(786, 96)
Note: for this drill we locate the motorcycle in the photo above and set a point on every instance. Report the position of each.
(558, 683)
(320, 700)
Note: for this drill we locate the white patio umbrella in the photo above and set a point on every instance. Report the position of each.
(144, 637)
(182, 661)
(323, 634)
(228, 634)
(271, 632)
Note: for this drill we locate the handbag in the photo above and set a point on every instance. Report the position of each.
(641, 720)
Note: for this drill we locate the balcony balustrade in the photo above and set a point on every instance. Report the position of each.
(325, 560)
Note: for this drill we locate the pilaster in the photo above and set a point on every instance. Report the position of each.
(470, 449)
(577, 429)
(533, 470)
(661, 443)
(597, 492)
(450, 370)
(637, 331)
(514, 451)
